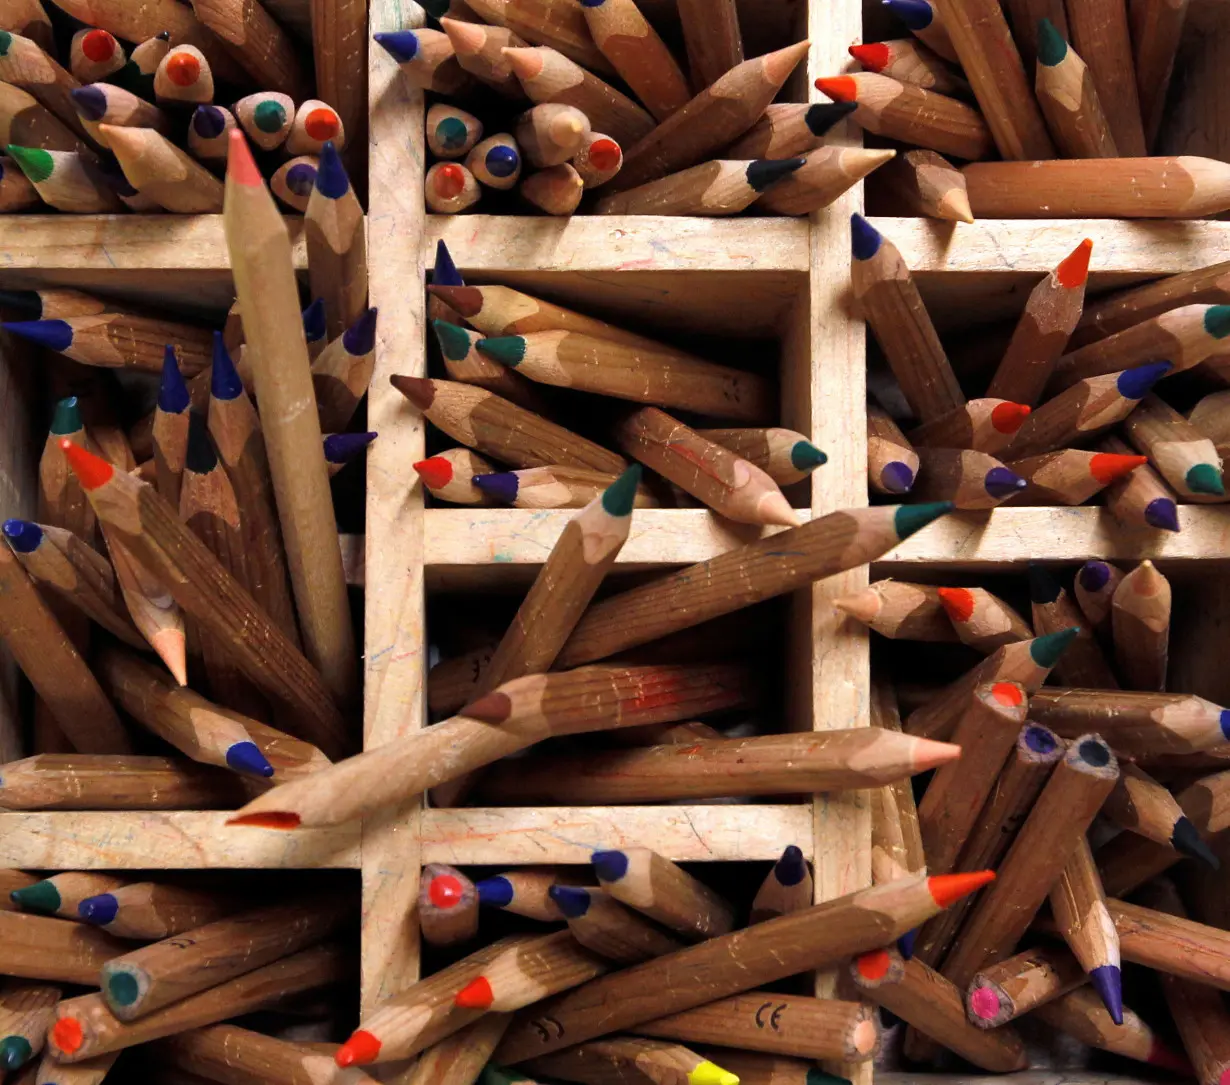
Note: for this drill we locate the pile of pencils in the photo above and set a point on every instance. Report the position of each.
(549, 81)
(1070, 411)
(143, 131)
(1070, 96)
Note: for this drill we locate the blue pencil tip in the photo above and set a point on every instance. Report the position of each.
(208, 121)
(99, 910)
(791, 868)
(916, 14)
(444, 272)
(344, 447)
(360, 337)
(52, 334)
(401, 45)
(173, 397)
(314, 320)
(1162, 513)
(864, 238)
(91, 102)
(500, 486)
(1001, 482)
(1135, 383)
(224, 382)
(331, 179)
(1107, 982)
(905, 944)
(610, 866)
(573, 902)
(897, 477)
(502, 161)
(247, 758)
(494, 892)
(23, 535)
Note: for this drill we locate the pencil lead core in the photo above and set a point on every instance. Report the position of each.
(475, 995)
(1163, 514)
(1051, 46)
(947, 889)
(359, 1050)
(173, 397)
(620, 496)
(1073, 269)
(91, 471)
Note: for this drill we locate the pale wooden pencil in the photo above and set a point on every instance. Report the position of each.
(1078, 903)
(1101, 35)
(1156, 28)
(336, 245)
(257, 42)
(239, 1056)
(25, 65)
(652, 884)
(55, 950)
(157, 168)
(1140, 623)
(1010, 988)
(713, 39)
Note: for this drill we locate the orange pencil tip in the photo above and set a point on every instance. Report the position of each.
(1106, 467)
(1010, 694)
(958, 603)
(360, 1049)
(271, 819)
(67, 1035)
(947, 889)
(475, 995)
(183, 69)
(240, 165)
(1073, 269)
(841, 88)
(91, 471)
(490, 708)
(1009, 417)
(874, 965)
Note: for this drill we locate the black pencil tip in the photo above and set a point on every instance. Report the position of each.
(765, 171)
(1186, 838)
(200, 457)
(1043, 585)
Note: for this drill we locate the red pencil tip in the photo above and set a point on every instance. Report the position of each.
(947, 889)
(873, 56)
(91, 471)
(445, 891)
(418, 390)
(183, 69)
(435, 472)
(67, 1035)
(841, 88)
(1009, 694)
(272, 819)
(321, 124)
(1073, 269)
(475, 995)
(958, 603)
(98, 45)
(604, 154)
(874, 965)
(360, 1049)
(490, 708)
(448, 180)
(1009, 417)
(1106, 467)
(240, 165)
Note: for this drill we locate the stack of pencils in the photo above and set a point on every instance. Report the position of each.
(1069, 96)
(560, 98)
(1078, 406)
(143, 131)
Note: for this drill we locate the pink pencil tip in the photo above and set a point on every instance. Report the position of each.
(240, 165)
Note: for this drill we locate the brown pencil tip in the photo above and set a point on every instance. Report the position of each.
(270, 819)
(954, 206)
(928, 753)
(467, 300)
(525, 63)
(418, 390)
(778, 66)
(490, 708)
(947, 889)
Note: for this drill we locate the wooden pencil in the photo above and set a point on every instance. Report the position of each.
(1180, 188)
(739, 961)
(85, 1026)
(555, 24)
(104, 782)
(209, 133)
(927, 184)
(787, 887)
(826, 173)
(183, 77)
(982, 620)
(94, 54)
(925, 22)
(1070, 476)
(1172, 944)
(26, 1010)
(262, 48)
(61, 500)
(530, 971)
(239, 1056)
(1078, 904)
(892, 462)
(712, 188)
(498, 428)
(451, 132)
(713, 39)
(260, 256)
(339, 46)
(343, 370)
(1180, 453)
(969, 479)
(25, 65)
(1101, 35)
(292, 182)
(551, 133)
(1140, 623)
(337, 251)
(526, 711)
(480, 51)
(142, 981)
(146, 56)
(1013, 987)
(266, 117)
(427, 60)
(1094, 588)
(524, 891)
(148, 527)
(633, 1060)
(553, 487)
(888, 297)
(1084, 410)
(65, 180)
(1080, 1014)
(16, 191)
(1135, 722)
(1143, 806)
(718, 115)
(1069, 99)
(780, 1024)
(664, 891)
(54, 950)
(61, 893)
(605, 927)
(557, 190)
(459, 1059)
(117, 340)
(1034, 862)
(449, 476)
(1051, 312)
(638, 54)
(103, 103)
(1083, 664)
(900, 610)
(1156, 27)
(157, 168)
(450, 188)
(496, 163)
(27, 123)
(89, 1072)
(171, 428)
(29, 19)
(905, 112)
(785, 455)
(1211, 416)
(787, 129)
(447, 905)
(909, 61)
(53, 303)
(149, 911)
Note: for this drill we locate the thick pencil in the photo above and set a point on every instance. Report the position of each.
(524, 891)
(447, 905)
(1078, 904)
(718, 115)
(969, 479)
(785, 455)
(183, 77)
(1094, 588)
(713, 39)
(238, 1056)
(1136, 723)
(157, 168)
(54, 950)
(61, 893)
(150, 911)
(1140, 623)
(1172, 944)
(1156, 27)
(1080, 1013)
(888, 297)
(909, 61)
(1180, 188)
(116, 340)
(342, 372)
(1069, 99)
(1051, 312)
(555, 23)
(739, 961)
(786, 129)
(103, 103)
(905, 112)
(530, 971)
(265, 283)
(315, 124)
(631, 1059)
(664, 891)
(983, 620)
(427, 60)
(1083, 663)
(1017, 985)
(257, 42)
(449, 476)
(66, 180)
(28, 123)
(1180, 453)
(459, 1059)
(451, 132)
(171, 428)
(638, 54)
(337, 251)
(266, 117)
(94, 54)
(479, 50)
(85, 1027)
(892, 462)
(927, 184)
(551, 133)
(26, 1009)
(605, 927)
(496, 163)
(498, 428)
(826, 173)
(26, 66)
(786, 888)
(1143, 806)
(746, 575)
(1101, 35)
(1070, 476)
(557, 190)
(901, 610)
(719, 187)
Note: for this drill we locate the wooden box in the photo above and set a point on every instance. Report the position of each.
(779, 278)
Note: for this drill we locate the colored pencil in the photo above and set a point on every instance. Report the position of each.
(26, 66)
(785, 455)
(718, 115)
(61, 500)
(1140, 622)
(925, 22)
(151, 530)
(16, 191)
(1172, 944)
(1181, 188)
(969, 479)
(427, 60)
(668, 377)
(171, 429)
(982, 620)
(1080, 1014)
(451, 132)
(550, 134)
(889, 299)
(209, 132)
(987, 731)
(1084, 410)
(1177, 450)
(54, 950)
(664, 891)
(447, 905)
(498, 428)
(104, 782)
(1184, 336)
(900, 610)
(118, 340)
(337, 251)
(633, 1060)
(555, 24)
(713, 39)
(342, 371)
(61, 893)
(266, 118)
(450, 188)
(183, 77)
(553, 487)
(449, 476)
(826, 173)
(155, 167)
(262, 48)
(892, 462)
(150, 911)
(1143, 806)
(1070, 476)
(479, 50)
(85, 1026)
(524, 891)
(594, 699)
(65, 180)
(787, 887)
(343, 448)
(459, 1059)
(1211, 416)
(638, 54)
(231, 1054)
(93, 55)
(1013, 987)
(737, 962)
(1135, 722)
(787, 129)
(1051, 312)
(1155, 29)
(26, 1009)
(812, 1028)
(53, 303)
(1083, 664)
(758, 570)
(533, 970)
(1078, 904)
(1100, 33)
(909, 61)
(557, 190)
(1069, 99)
(927, 184)
(103, 103)
(261, 259)
(1094, 588)
(496, 163)
(29, 19)
(605, 927)
(146, 56)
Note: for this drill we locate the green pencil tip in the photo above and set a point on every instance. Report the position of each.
(1204, 478)
(35, 163)
(816, 1076)
(505, 349)
(39, 897)
(1051, 46)
(805, 456)
(1047, 650)
(67, 417)
(15, 1052)
(454, 341)
(122, 988)
(911, 518)
(619, 497)
(1217, 321)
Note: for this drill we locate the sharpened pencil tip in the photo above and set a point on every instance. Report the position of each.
(872, 55)
(572, 900)
(99, 910)
(1008, 417)
(501, 486)
(1051, 46)
(1204, 478)
(767, 171)
(1047, 649)
(418, 390)
(401, 45)
(906, 943)
(841, 88)
(610, 866)
(909, 519)
(91, 471)
(709, 1073)
(864, 605)
(475, 995)
(90, 101)
(1108, 467)
(246, 757)
(341, 448)
(267, 819)
(53, 334)
(15, 1052)
(240, 165)
(1002, 482)
(619, 497)
(173, 397)
(1073, 269)
(773, 508)
(823, 116)
(915, 14)
(444, 271)
(1163, 514)
(492, 707)
(23, 536)
(954, 206)
(525, 62)
(1106, 980)
(66, 417)
(508, 350)
(928, 754)
(1094, 575)
(791, 867)
(1186, 838)
(1135, 383)
(359, 1050)
(947, 889)
(865, 239)
(804, 456)
(494, 892)
(466, 300)
(816, 1076)
(41, 897)
(1044, 586)
(331, 179)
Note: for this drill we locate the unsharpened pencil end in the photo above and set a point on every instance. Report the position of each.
(947, 889)
(1046, 650)
(282, 820)
(929, 754)
(708, 1073)
(490, 708)
(240, 165)
(620, 496)
(99, 910)
(68, 1035)
(864, 605)
(359, 1050)
(773, 508)
(1204, 478)
(418, 390)
(1073, 269)
(91, 471)
(475, 995)
(246, 757)
(1186, 838)
(1108, 983)
(570, 899)
(909, 519)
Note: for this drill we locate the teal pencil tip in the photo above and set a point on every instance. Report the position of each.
(1051, 46)
(1217, 321)
(454, 341)
(15, 1052)
(1204, 478)
(816, 1076)
(911, 518)
(505, 349)
(805, 456)
(39, 897)
(67, 417)
(619, 497)
(1046, 650)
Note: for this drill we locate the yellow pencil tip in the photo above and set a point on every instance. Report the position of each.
(775, 509)
(708, 1073)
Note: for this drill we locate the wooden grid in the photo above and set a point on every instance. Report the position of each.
(784, 277)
